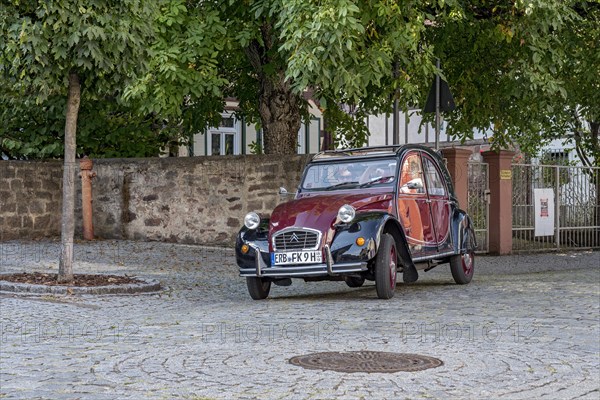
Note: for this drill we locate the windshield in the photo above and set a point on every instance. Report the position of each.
(349, 175)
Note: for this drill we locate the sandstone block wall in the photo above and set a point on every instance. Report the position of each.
(196, 200)
(30, 199)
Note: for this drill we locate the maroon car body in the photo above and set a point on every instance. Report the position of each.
(361, 214)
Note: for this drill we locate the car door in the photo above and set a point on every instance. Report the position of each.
(413, 207)
(439, 202)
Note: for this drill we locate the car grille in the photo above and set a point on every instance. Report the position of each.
(296, 240)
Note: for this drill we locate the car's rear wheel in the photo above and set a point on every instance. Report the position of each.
(354, 281)
(258, 288)
(463, 267)
(386, 265)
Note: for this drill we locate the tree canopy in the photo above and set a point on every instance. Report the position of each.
(104, 44)
(50, 50)
(211, 50)
(528, 70)
(107, 128)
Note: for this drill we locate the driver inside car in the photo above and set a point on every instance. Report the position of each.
(346, 174)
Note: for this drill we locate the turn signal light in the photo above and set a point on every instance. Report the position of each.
(245, 248)
(360, 241)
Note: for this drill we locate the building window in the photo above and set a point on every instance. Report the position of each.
(555, 157)
(302, 140)
(224, 139)
(222, 143)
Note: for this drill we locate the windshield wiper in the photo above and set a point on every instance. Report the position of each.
(341, 184)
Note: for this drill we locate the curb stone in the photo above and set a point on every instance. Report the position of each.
(145, 286)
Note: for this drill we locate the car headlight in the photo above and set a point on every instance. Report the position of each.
(252, 220)
(346, 213)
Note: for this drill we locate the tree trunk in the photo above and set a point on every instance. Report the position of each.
(278, 105)
(279, 110)
(65, 268)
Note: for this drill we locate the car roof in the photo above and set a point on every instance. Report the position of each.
(384, 151)
(368, 152)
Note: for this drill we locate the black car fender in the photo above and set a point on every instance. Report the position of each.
(463, 232)
(370, 226)
(257, 239)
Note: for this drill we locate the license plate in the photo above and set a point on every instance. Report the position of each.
(296, 257)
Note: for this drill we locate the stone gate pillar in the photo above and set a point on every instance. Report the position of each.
(456, 161)
(500, 220)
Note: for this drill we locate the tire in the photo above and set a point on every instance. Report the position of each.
(258, 288)
(386, 267)
(354, 282)
(463, 267)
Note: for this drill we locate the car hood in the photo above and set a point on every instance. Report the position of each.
(319, 211)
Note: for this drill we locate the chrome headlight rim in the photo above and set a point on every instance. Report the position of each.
(346, 213)
(252, 220)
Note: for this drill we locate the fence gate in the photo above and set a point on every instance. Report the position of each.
(479, 200)
(576, 205)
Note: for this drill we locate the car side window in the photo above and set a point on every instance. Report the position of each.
(435, 183)
(411, 175)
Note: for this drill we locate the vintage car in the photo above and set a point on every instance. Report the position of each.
(360, 214)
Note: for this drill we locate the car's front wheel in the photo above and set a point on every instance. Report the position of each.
(258, 288)
(386, 265)
(463, 267)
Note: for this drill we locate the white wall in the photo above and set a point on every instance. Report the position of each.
(411, 132)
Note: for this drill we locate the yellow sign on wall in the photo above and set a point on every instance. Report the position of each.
(505, 174)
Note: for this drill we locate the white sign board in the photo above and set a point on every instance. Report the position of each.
(544, 211)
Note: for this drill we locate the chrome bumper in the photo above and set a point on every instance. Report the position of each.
(329, 268)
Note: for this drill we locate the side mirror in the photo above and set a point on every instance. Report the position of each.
(283, 193)
(414, 184)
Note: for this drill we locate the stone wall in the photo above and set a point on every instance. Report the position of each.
(30, 199)
(199, 200)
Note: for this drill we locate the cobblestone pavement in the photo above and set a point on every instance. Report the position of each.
(526, 327)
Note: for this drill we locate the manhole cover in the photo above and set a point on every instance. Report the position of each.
(366, 361)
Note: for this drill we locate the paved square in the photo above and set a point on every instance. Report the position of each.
(527, 327)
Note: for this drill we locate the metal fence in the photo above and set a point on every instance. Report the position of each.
(478, 199)
(576, 205)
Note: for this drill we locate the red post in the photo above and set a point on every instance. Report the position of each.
(500, 221)
(85, 164)
(456, 161)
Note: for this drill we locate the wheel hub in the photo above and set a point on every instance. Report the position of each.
(467, 262)
(393, 268)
